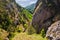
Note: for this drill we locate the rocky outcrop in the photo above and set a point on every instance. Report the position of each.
(53, 32)
(46, 12)
(10, 9)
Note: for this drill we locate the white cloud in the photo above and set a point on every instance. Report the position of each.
(25, 3)
(22, 0)
(32, 2)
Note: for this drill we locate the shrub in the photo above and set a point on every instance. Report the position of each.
(3, 34)
(11, 35)
(43, 33)
(30, 30)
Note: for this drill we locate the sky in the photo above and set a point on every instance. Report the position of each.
(25, 3)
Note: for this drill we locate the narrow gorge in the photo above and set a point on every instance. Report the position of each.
(40, 21)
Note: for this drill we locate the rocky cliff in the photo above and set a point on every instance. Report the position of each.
(46, 13)
(9, 9)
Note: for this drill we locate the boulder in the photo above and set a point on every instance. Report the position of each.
(53, 32)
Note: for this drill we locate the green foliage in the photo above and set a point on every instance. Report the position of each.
(7, 18)
(30, 30)
(11, 35)
(25, 26)
(26, 15)
(24, 36)
(11, 29)
(43, 33)
(20, 28)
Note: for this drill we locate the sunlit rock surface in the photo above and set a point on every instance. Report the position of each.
(53, 32)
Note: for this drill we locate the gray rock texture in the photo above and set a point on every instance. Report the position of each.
(53, 32)
(46, 12)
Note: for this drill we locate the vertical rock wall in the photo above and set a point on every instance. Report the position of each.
(46, 12)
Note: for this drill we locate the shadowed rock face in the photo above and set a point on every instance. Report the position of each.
(53, 32)
(45, 12)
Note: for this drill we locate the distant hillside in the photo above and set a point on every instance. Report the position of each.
(31, 7)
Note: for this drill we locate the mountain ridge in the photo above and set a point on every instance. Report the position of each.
(31, 7)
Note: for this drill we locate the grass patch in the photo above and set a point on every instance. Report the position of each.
(24, 36)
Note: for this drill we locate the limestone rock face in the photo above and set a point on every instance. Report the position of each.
(53, 32)
(45, 14)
